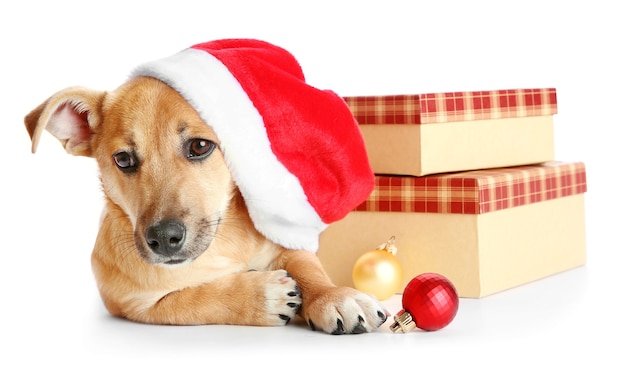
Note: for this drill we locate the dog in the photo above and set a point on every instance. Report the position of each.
(176, 243)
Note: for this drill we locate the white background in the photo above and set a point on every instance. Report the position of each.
(50, 202)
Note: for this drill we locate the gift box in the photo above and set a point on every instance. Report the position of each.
(430, 133)
(486, 230)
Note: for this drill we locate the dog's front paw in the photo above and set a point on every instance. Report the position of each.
(344, 310)
(282, 297)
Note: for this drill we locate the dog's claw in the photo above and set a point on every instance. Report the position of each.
(312, 325)
(382, 316)
(359, 329)
(295, 292)
(285, 317)
(340, 328)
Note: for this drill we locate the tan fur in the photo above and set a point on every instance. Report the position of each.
(148, 118)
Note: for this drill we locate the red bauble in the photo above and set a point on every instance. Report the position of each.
(429, 302)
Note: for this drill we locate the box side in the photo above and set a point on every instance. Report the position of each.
(481, 254)
(443, 243)
(530, 242)
(420, 150)
(393, 149)
(484, 144)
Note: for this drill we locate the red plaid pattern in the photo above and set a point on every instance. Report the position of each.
(477, 192)
(449, 107)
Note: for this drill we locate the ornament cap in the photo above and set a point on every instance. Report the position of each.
(389, 246)
(403, 322)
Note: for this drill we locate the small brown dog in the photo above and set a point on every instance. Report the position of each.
(180, 241)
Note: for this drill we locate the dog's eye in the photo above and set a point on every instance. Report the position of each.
(125, 161)
(200, 148)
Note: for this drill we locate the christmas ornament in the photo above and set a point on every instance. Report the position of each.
(378, 271)
(429, 302)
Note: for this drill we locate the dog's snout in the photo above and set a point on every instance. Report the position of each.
(166, 237)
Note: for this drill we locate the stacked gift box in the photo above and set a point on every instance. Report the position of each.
(468, 185)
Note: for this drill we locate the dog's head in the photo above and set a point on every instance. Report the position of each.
(295, 152)
(159, 162)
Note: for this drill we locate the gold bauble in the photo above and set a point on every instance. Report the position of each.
(378, 272)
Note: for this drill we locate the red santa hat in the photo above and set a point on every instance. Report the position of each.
(295, 152)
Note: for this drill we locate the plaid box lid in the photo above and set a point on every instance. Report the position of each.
(455, 106)
(477, 192)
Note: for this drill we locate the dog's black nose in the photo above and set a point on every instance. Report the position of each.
(166, 237)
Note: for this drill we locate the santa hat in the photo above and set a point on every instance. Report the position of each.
(295, 152)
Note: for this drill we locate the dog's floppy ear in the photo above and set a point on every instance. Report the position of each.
(70, 115)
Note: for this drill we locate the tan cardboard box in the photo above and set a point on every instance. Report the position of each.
(487, 231)
(431, 133)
